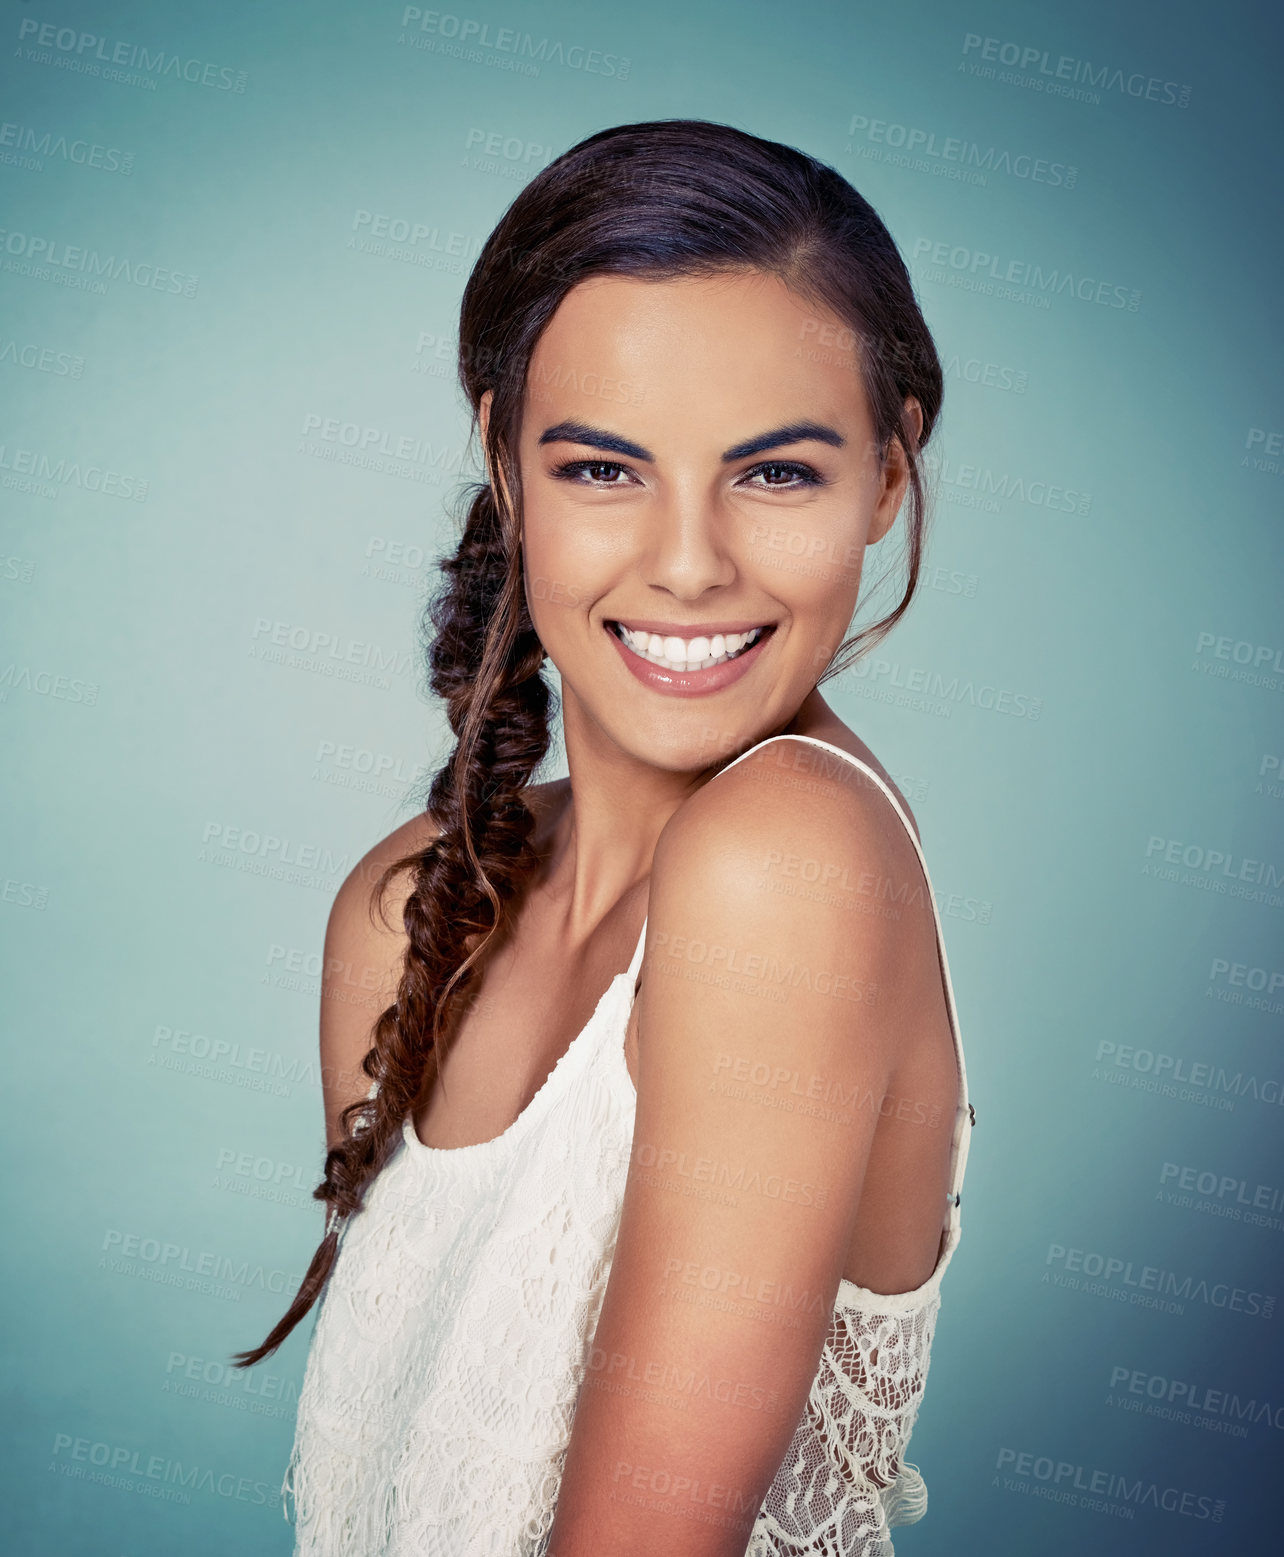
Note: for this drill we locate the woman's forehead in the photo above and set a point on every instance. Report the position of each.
(744, 340)
(724, 306)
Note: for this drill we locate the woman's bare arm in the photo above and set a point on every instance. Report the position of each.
(737, 1216)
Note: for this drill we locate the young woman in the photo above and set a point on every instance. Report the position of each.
(641, 1190)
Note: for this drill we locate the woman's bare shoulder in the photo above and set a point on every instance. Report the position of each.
(365, 944)
(787, 781)
(836, 733)
(356, 902)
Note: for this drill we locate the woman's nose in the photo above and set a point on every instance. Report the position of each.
(687, 548)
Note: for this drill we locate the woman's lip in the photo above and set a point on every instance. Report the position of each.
(690, 683)
(688, 630)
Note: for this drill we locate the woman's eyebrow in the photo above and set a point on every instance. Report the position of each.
(596, 438)
(778, 437)
(792, 432)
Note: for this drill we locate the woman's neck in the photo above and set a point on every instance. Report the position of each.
(599, 837)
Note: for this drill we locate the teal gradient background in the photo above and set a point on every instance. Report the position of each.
(151, 729)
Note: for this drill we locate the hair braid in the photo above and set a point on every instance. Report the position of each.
(485, 664)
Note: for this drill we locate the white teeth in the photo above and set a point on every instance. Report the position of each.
(686, 655)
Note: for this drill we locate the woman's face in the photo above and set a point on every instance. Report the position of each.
(700, 481)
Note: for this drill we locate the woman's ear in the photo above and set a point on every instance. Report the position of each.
(896, 473)
(493, 474)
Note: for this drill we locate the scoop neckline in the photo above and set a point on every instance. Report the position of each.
(532, 1110)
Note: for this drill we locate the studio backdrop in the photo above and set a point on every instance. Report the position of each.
(233, 244)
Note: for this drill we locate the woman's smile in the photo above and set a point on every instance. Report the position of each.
(689, 662)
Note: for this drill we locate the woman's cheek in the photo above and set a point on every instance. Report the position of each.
(571, 562)
(820, 544)
(555, 583)
(547, 593)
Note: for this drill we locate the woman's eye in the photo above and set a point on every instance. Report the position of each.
(591, 472)
(607, 473)
(784, 473)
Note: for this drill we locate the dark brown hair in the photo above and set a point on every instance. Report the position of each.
(667, 199)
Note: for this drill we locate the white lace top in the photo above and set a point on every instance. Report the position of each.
(455, 1327)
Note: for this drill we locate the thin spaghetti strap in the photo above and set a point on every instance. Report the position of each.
(966, 1114)
(636, 965)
